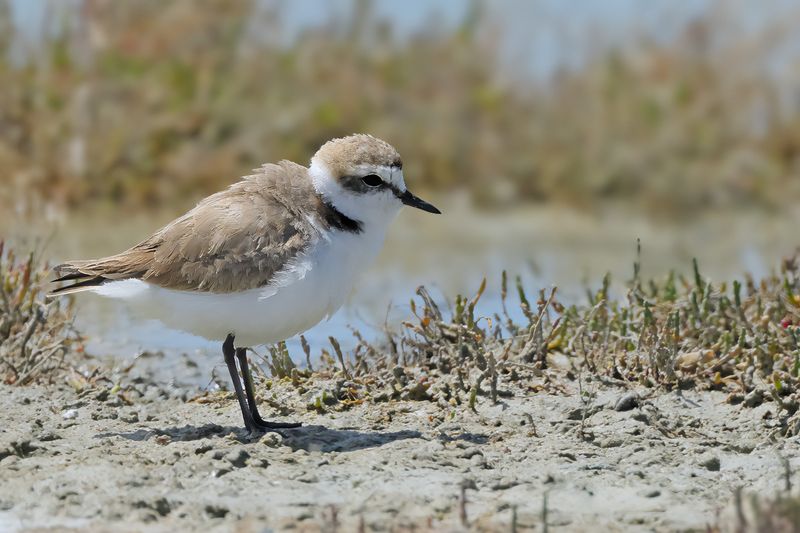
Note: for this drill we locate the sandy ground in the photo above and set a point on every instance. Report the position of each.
(93, 462)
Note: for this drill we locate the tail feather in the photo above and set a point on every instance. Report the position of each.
(72, 272)
(84, 285)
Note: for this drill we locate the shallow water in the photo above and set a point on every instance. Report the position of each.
(450, 254)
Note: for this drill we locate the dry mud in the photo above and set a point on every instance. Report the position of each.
(93, 462)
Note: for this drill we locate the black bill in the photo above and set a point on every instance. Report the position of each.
(409, 199)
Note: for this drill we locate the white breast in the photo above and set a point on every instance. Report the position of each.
(313, 288)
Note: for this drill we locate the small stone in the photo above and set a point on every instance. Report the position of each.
(627, 402)
(130, 417)
(478, 460)
(203, 448)
(258, 463)
(709, 462)
(69, 414)
(309, 477)
(160, 506)
(48, 436)
(754, 398)
(219, 472)
(237, 458)
(102, 395)
(610, 442)
(163, 440)
(505, 483)
(743, 446)
(215, 511)
(471, 452)
(271, 440)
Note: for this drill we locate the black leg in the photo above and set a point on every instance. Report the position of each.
(230, 360)
(241, 354)
(246, 398)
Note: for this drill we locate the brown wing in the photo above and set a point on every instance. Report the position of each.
(232, 241)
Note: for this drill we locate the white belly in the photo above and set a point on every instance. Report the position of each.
(310, 292)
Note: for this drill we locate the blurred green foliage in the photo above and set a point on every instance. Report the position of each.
(145, 103)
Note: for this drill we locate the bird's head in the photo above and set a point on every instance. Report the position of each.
(362, 177)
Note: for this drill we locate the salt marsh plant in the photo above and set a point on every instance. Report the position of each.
(37, 340)
(680, 332)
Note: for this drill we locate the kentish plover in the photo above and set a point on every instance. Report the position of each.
(264, 260)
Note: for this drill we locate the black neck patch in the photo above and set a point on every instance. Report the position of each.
(338, 220)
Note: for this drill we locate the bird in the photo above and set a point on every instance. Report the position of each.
(265, 259)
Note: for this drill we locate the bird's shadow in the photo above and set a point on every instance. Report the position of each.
(311, 438)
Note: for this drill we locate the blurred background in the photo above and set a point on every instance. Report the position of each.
(553, 134)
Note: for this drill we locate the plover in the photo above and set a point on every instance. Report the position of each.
(263, 260)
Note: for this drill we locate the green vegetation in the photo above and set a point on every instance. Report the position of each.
(142, 103)
(37, 341)
(676, 333)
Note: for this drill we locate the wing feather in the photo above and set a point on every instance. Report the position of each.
(235, 240)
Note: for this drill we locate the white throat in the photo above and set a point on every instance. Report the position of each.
(375, 212)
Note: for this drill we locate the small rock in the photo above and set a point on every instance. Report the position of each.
(69, 414)
(203, 448)
(271, 440)
(309, 477)
(130, 417)
(709, 462)
(478, 460)
(237, 458)
(650, 493)
(258, 463)
(163, 440)
(754, 398)
(505, 483)
(470, 452)
(743, 446)
(160, 506)
(627, 402)
(48, 436)
(219, 472)
(216, 511)
(610, 442)
(102, 395)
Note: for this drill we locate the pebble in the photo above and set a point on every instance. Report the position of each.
(469, 453)
(754, 398)
(610, 442)
(505, 483)
(219, 472)
(478, 460)
(130, 417)
(216, 511)
(69, 414)
(709, 462)
(650, 493)
(743, 446)
(627, 402)
(272, 440)
(203, 448)
(237, 458)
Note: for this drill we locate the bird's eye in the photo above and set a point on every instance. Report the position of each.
(372, 180)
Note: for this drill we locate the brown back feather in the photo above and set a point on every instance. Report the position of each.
(234, 240)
